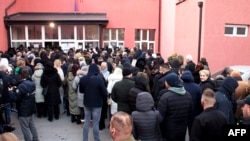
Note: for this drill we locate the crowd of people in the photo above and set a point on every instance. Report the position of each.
(142, 95)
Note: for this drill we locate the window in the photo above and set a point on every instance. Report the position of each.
(51, 32)
(113, 37)
(18, 32)
(91, 36)
(66, 36)
(67, 31)
(91, 32)
(236, 30)
(35, 31)
(145, 39)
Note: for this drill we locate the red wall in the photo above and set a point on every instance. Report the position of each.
(3, 32)
(186, 28)
(167, 28)
(219, 49)
(128, 14)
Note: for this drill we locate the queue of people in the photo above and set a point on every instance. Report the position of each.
(152, 99)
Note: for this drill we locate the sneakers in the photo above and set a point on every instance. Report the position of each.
(91, 122)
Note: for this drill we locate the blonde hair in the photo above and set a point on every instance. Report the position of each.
(118, 71)
(8, 136)
(206, 72)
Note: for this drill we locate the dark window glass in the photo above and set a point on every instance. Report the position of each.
(51, 32)
(18, 32)
(91, 32)
(79, 32)
(151, 35)
(137, 35)
(229, 30)
(241, 31)
(35, 32)
(106, 34)
(67, 31)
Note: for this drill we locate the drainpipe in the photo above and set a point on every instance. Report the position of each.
(6, 24)
(200, 4)
(159, 27)
(8, 7)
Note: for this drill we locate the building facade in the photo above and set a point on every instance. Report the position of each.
(224, 38)
(80, 23)
(217, 31)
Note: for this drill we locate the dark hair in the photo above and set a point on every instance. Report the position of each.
(24, 73)
(74, 69)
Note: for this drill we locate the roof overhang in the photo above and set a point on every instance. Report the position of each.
(59, 18)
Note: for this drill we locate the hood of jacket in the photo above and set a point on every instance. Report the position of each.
(144, 101)
(93, 69)
(178, 90)
(141, 83)
(228, 86)
(187, 76)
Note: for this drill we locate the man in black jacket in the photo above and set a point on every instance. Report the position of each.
(24, 95)
(175, 107)
(209, 125)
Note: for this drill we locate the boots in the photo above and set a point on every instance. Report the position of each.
(73, 119)
(78, 119)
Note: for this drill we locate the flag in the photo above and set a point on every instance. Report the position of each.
(75, 6)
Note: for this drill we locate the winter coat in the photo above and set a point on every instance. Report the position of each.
(160, 84)
(175, 107)
(140, 85)
(195, 91)
(208, 126)
(72, 95)
(24, 96)
(112, 79)
(207, 84)
(36, 77)
(5, 97)
(75, 85)
(120, 93)
(146, 119)
(93, 87)
(51, 79)
(225, 100)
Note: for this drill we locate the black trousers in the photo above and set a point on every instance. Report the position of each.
(41, 109)
(103, 114)
(53, 110)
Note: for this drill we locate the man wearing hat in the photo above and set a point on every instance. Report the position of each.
(245, 110)
(175, 107)
(121, 90)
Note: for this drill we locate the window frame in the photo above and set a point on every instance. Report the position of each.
(117, 40)
(235, 27)
(141, 41)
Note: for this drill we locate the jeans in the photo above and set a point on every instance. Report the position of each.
(95, 113)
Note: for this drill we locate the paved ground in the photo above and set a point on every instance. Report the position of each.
(59, 130)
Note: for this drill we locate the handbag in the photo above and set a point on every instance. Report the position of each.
(45, 91)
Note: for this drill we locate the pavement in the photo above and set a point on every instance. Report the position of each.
(59, 130)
